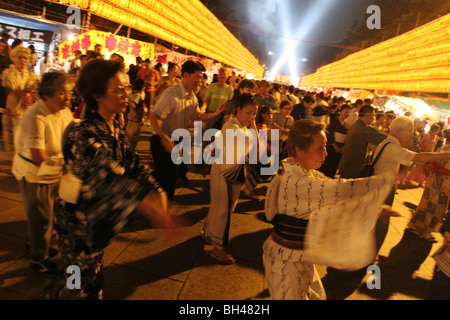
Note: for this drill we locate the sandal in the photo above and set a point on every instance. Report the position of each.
(223, 257)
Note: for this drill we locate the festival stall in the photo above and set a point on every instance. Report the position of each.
(442, 109)
(111, 43)
(400, 105)
(359, 94)
(33, 30)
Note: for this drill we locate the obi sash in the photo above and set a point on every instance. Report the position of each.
(289, 231)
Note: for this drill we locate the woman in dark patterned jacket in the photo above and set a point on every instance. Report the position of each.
(112, 183)
(336, 133)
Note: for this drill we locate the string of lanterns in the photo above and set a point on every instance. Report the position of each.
(418, 60)
(186, 23)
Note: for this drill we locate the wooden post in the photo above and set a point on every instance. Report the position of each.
(88, 20)
(398, 28)
(418, 19)
(83, 23)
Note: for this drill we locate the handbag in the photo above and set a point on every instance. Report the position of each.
(368, 169)
(69, 186)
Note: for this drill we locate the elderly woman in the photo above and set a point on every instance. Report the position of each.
(104, 182)
(22, 84)
(317, 220)
(37, 163)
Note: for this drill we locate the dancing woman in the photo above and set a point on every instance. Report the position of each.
(226, 181)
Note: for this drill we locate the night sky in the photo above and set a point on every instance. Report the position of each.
(320, 21)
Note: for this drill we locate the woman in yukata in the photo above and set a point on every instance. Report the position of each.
(317, 220)
(104, 184)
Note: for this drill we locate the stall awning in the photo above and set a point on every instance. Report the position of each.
(27, 28)
(440, 105)
(417, 105)
(27, 21)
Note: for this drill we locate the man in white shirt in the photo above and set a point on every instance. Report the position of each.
(354, 113)
(37, 163)
(175, 108)
(395, 154)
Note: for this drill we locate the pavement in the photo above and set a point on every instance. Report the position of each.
(144, 263)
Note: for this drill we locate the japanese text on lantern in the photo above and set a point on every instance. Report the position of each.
(110, 42)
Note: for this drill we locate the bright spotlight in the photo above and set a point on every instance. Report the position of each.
(270, 53)
(307, 24)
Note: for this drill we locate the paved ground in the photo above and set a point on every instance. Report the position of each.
(143, 264)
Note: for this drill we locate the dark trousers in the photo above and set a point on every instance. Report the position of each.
(439, 288)
(165, 170)
(381, 228)
(331, 164)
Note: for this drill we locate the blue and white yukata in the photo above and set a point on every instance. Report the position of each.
(318, 220)
(113, 182)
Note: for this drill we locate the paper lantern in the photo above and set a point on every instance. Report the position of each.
(188, 24)
(418, 60)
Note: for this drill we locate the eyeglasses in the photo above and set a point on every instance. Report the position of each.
(122, 89)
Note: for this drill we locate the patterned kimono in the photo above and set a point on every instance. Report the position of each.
(318, 220)
(113, 183)
(433, 205)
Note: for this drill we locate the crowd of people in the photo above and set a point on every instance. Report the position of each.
(74, 135)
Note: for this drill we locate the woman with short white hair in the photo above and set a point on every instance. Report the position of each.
(37, 163)
(23, 85)
(401, 123)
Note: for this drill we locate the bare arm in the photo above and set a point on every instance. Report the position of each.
(156, 123)
(210, 115)
(431, 156)
(38, 156)
(207, 100)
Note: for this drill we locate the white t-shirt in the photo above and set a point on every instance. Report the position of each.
(352, 117)
(176, 108)
(239, 148)
(39, 129)
(392, 157)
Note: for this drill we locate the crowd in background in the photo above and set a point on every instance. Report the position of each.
(152, 93)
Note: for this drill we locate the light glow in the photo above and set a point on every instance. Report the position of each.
(418, 60)
(312, 17)
(186, 23)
